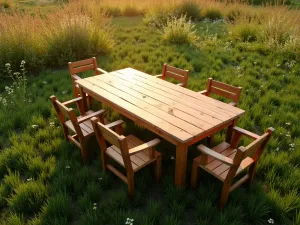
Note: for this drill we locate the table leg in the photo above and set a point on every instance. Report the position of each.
(84, 99)
(180, 170)
(229, 131)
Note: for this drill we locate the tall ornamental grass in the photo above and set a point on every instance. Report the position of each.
(277, 27)
(76, 31)
(180, 31)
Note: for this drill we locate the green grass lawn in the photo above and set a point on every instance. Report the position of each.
(43, 180)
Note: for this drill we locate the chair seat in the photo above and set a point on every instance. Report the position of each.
(138, 160)
(86, 126)
(219, 169)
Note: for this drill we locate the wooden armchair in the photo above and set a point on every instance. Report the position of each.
(82, 66)
(226, 161)
(129, 152)
(80, 126)
(175, 73)
(224, 90)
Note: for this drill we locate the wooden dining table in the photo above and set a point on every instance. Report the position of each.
(176, 114)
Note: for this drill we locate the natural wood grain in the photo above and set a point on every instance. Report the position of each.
(225, 162)
(180, 116)
(121, 153)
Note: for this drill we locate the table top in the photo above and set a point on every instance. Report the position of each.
(178, 112)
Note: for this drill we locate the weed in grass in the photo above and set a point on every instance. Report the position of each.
(14, 219)
(171, 220)
(205, 210)
(257, 210)
(155, 211)
(58, 207)
(180, 31)
(28, 197)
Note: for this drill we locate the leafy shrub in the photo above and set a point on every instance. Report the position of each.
(28, 198)
(180, 31)
(247, 32)
(191, 9)
(159, 16)
(213, 14)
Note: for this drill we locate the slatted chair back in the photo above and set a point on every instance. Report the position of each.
(64, 113)
(253, 150)
(224, 90)
(103, 133)
(175, 73)
(83, 65)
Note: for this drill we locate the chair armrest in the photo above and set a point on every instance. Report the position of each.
(144, 146)
(246, 133)
(72, 101)
(96, 114)
(204, 92)
(158, 76)
(101, 71)
(76, 77)
(207, 151)
(114, 124)
(233, 104)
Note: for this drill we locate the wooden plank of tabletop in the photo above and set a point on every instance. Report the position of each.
(168, 85)
(166, 101)
(170, 109)
(135, 112)
(176, 91)
(189, 128)
(197, 106)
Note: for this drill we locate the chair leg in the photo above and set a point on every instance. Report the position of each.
(89, 100)
(66, 132)
(210, 140)
(157, 168)
(84, 152)
(195, 174)
(224, 195)
(130, 179)
(104, 159)
(251, 173)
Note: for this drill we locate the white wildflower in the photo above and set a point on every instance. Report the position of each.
(68, 167)
(271, 221)
(288, 124)
(45, 82)
(99, 178)
(277, 149)
(172, 158)
(29, 179)
(64, 92)
(34, 126)
(95, 207)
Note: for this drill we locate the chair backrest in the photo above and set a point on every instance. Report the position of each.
(254, 150)
(175, 73)
(224, 90)
(103, 133)
(64, 113)
(83, 65)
